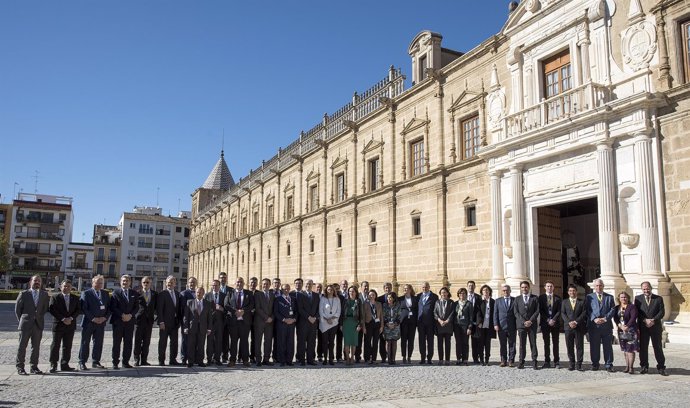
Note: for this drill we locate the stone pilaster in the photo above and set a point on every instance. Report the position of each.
(649, 229)
(517, 232)
(497, 272)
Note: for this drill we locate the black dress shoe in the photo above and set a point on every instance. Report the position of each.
(536, 366)
(644, 370)
(247, 364)
(82, 367)
(557, 366)
(53, 369)
(189, 365)
(136, 364)
(115, 366)
(610, 369)
(291, 364)
(259, 364)
(218, 363)
(35, 370)
(521, 366)
(546, 365)
(422, 362)
(96, 365)
(145, 363)
(127, 365)
(663, 372)
(595, 368)
(161, 363)
(571, 367)
(579, 367)
(302, 363)
(201, 365)
(21, 371)
(268, 363)
(312, 363)
(174, 363)
(66, 368)
(282, 364)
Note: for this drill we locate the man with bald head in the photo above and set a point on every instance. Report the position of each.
(95, 304)
(425, 323)
(31, 306)
(307, 324)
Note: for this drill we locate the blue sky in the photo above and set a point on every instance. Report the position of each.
(123, 103)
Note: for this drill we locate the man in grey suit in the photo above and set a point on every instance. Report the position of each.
(263, 322)
(31, 306)
(504, 320)
(64, 306)
(575, 326)
(197, 323)
(526, 314)
(650, 311)
(214, 347)
(600, 308)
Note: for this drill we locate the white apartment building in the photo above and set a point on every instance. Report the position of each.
(78, 263)
(154, 245)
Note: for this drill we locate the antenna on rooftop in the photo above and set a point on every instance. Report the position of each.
(158, 190)
(222, 144)
(35, 177)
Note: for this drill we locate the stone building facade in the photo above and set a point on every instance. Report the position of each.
(556, 149)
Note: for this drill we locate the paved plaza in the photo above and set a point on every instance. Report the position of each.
(359, 385)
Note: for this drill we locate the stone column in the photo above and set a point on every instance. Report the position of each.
(649, 230)
(607, 214)
(517, 232)
(497, 273)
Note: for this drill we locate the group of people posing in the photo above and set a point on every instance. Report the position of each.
(270, 323)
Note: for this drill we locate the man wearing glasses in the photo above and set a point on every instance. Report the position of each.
(143, 322)
(238, 312)
(504, 320)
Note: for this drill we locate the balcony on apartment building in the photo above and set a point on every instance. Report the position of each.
(37, 251)
(78, 265)
(36, 267)
(39, 219)
(51, 236)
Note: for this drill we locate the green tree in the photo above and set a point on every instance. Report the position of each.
(5, 257)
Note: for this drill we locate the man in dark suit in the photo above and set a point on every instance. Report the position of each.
(168, 309)
(226, 291)
(252, 287)
(526, 314)
(408, 322)
(307, 324)
(600, 308)
(549, 321)
(284, 312)
(575, 326)
(339, 339)
(64, 307)
(475, 299)
(214, 347)
(123, 306)
(363, 296)
(143, 322)
(188, 294)
(197, 322)
(426, 323)
(263, 323)
(383, 300)
(95, 305)
(238, 315)
(31, 307)
(504, 321)
(275, 289)
(650, 311)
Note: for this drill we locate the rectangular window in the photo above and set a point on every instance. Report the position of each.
(132, 225)
(269, 215)
(112, 257)
(288, 249)
(234, 230)
(255, 221)
(416, 226)
(417, 157)
(17, 228)
(311, 245)
(289, 208)
(471, 216)
(178, 229)
(423, 65)
(111, 269)
(243, 227)
(372, 234)
(99, 269)
(470, 137)
(314, 197)
(130, 267)
(339, 187)
(373, 168)
(145, 229)
(558, 81)
(685, 38)
(338, 239)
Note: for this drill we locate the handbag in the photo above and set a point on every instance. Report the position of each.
(625, 336)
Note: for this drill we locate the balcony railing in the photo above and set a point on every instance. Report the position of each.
(36, 267)
(40, 235)
(555, 109)
(145, 245)
(79, 265)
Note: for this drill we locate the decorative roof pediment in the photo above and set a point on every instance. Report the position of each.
(467, 96)
(414, 124)
(314, 174)
(270, 197)
(373, 144)
(524, 12)
(288, 187)
(339, 161)
(469, 200)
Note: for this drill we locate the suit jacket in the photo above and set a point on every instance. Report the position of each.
(231, 307)
(146, 312)
(119, 305)
(168, 312)
(568, 314)
(91, 307)
(447, 314)
(307, 306)
(545, 315)
(263, 308)
(629, 317)
(425, 313)
(197, 322)
(504, 316)
(655, 310)
(405, 310)
(480, 315)
(282, 309)
(29, 313)
(369, 316)
(596, 310)
(218, 316)
(59, 310)
(526, 312)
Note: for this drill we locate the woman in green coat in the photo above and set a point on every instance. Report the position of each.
(353, 322)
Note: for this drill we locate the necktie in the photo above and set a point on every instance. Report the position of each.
(239, 300)
(526, 298)
(599, 297)
(199, 307)
(98, 295)
(572, 304)
(549, 296)
(34, 294)
(215, 298)
(67, 302)
(126, 295)
(146, 296)
(647, 300)
(172, 295)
